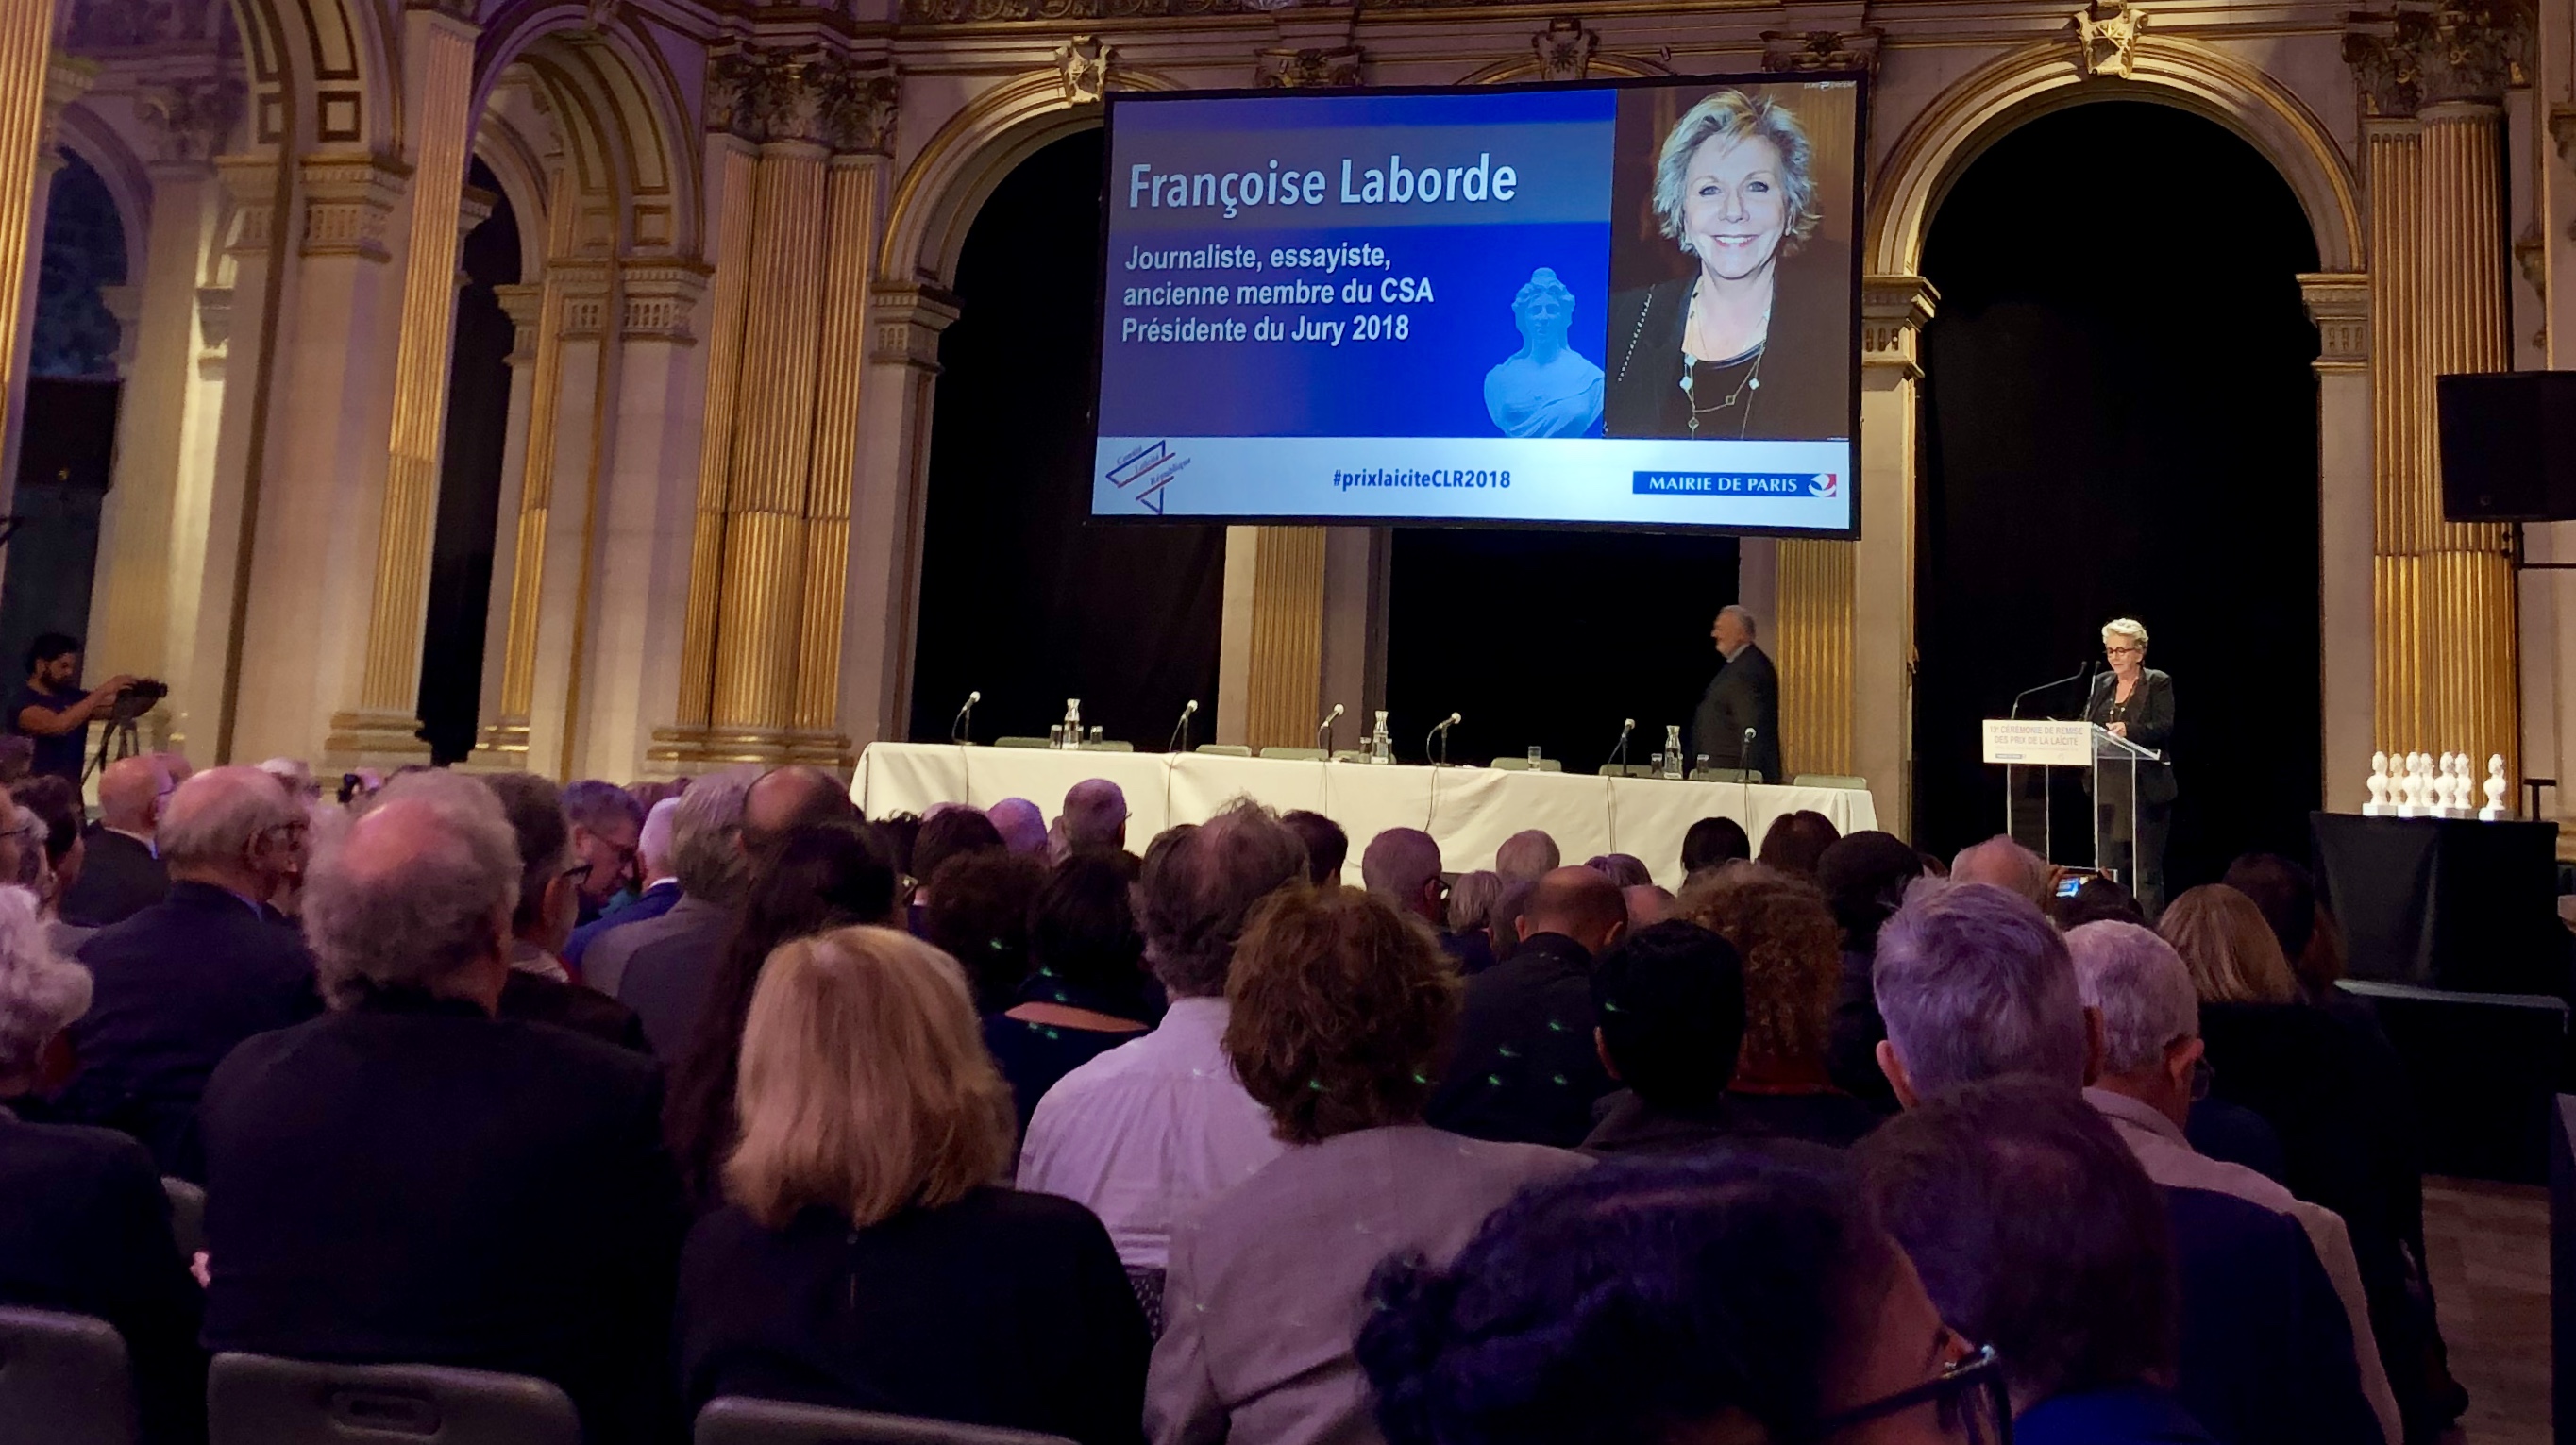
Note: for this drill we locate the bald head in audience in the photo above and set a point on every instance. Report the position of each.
(2005, 864)
(792, 797)
(419, 895)
(1020, 822)
(1578, 903)
(1648, 905)
(1526, 855)
(1402, 866)
(1095, 815)
(129, 794)
(234, 828)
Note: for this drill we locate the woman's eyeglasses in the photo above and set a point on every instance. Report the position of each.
(1974, 1403)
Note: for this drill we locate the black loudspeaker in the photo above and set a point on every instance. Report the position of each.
(2508, 446)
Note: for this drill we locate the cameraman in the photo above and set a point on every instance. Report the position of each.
(52, 710)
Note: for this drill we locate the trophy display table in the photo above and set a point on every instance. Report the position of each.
(2453, 904)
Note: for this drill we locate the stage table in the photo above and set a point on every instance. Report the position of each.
(2445, 903)
(1469, 810)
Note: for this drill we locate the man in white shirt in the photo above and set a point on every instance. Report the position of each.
(1148, 1131)
(2151, 1048)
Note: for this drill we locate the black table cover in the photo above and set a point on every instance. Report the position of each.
(2441, 903)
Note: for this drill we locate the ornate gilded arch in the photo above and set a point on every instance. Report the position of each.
(618, 105)
(1979, 109)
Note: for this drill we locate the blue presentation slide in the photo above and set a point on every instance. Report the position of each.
(1408, 308)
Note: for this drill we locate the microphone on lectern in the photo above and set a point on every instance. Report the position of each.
(1619, 754)
(1323, 730)
(1180, 742)
(957, 727)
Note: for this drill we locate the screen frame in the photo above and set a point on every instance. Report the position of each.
(1113, 101)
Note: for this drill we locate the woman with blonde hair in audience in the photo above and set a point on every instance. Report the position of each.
(1339, 1011)
(2270, 1051)
(1791, 946)
(867, 1259)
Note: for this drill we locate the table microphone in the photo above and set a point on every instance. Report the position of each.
(1440, 731)
(957, 728)
(1180, 742)
(1747, 759)
(1619, 754)
(1323, 730)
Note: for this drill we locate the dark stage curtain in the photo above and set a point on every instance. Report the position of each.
(2120, 420)
(469, 483)
(1022, 597)
(1551, 638)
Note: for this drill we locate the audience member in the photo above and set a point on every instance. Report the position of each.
(1795, 842)
(50, 811)
(17, 757)
(52, 708)
(1743, 1296)
(1022, 824)
(1976, 984)
(790, 797)
(1341, 1009)
(2151, 1057)
(898, 832)
(2034, 1231)
(1148, 1132)
(2005, 864)
(660, 967)
(979, 914)
(122, 872)
(1648, 904)
(296, 776)
(1864, 877)
(1526, 856)
(1624, 870)
(550, 883)
(948, 833)
(1402, 866)
(84, 1224)
(1502, 929)
(1095, 816)
(2347, 1146)
(865, 1258)
(2098, 900)
(1713, 842)
(1669, 1001)
(659, 894)
(1790, 952)
(812, 880)
(1526, 1070)
(180, 983)
(497, 1198)
(1472, 897)
(607, 827)
(1328, 848)
(1085, 994)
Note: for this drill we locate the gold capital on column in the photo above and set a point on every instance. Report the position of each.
(386, 718)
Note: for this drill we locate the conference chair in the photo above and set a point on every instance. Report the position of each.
(1108, 745)
(1827, 780)
(1626, 770)
(1524, 765)
(1024, 742)
(740, 1420)
(1723, 775)
(1223, 750)
(1295, 755)
(64, 1381)
(187, 1215)
(262, 1400)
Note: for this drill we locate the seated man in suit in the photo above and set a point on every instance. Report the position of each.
(84, 1224)
(660, 891)
(661, 968)
(121, 872)
(1977, 984)
(551, 875)
(1743, 697)
(410, 1178)
(183, 981)
(1525, 1070)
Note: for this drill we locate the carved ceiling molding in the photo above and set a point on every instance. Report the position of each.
(845, 106)
(1307, 68)
(1795, 51)
(2106, 37)
(1564, 49)
(1085, 62)
(2418, 54)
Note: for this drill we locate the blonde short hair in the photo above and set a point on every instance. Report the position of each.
(1738, 116)
(2128, 627)
(2229, 948)
(865, 1086)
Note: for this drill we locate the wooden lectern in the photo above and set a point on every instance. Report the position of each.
(2032, 753)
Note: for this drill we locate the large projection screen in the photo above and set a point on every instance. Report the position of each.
(1629, 304)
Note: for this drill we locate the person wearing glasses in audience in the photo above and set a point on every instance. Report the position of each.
(2136, 702)
(1741, 1295)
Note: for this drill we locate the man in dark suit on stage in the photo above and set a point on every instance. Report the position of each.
(1745, 694)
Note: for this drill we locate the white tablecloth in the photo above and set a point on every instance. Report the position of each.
(1469, 810)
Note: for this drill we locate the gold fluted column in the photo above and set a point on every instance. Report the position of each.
(2442, 592)
(26, 49)
(503, 740)
(764, 546)
(439, 49)
(1813, 652)
(856, 182)
(1283, 686)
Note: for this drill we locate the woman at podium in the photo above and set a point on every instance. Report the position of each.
(2136, 702)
